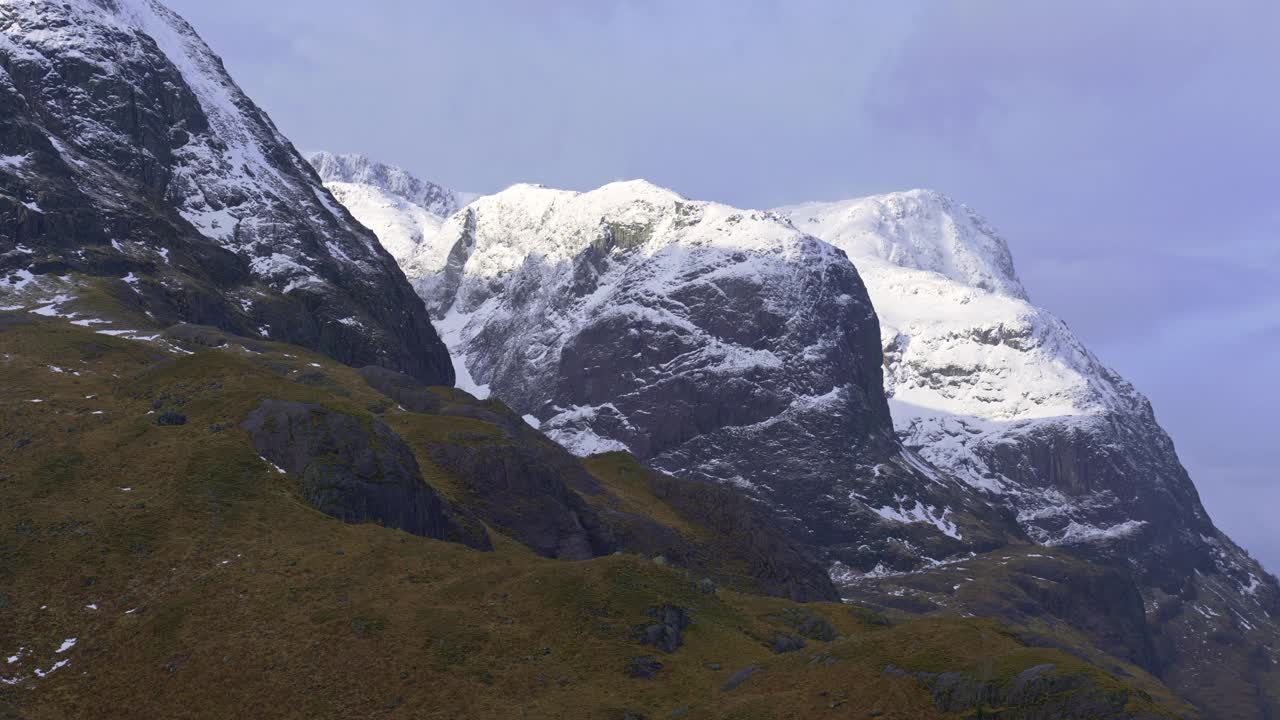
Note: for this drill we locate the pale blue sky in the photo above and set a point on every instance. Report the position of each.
(1129, 152)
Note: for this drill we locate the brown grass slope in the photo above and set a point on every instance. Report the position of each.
(197, 583)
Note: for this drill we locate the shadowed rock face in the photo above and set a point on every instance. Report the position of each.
(744, 545)
(356, 471)
(1116, 472)
(513, 478)
(715, 344)
(126, 151)
(996, 391)
(1029, 588)
(519, 492)
(523, 484)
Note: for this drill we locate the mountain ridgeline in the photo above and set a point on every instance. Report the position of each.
(130, 160)
(236, 474)
(743, 348)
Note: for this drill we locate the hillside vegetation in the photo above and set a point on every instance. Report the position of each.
(199, 581)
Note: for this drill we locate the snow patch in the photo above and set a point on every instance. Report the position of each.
(53, 309)
(56, 666)
(1076, 533)
(919, 513)
(12, 162)
(18, 280)
(584, 442)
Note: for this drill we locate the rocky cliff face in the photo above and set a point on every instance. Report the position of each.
(711, 342)
(357, 472)
(1001, 393)
(593, 314)
(132, 165)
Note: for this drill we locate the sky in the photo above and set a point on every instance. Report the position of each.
(1128, 152)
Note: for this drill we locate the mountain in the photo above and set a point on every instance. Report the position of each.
(202, 520)
(402, 209)
(140, 187)
(598, 314)
(360, 172)
(711, 342)
(1000, 393)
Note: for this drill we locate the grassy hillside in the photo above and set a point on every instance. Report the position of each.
(197, 582)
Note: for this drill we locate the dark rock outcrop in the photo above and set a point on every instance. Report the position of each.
(1101, 602)
(515, 479)
(666, 632)
(523, 484)
(404, 390)
(783, 644)
(738, 678)
(517, 491)
(808, 624)
(171, 418)
(356, 470)
(1026, 589)
(746, 535)
(520, 481)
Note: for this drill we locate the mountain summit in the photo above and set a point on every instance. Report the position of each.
(1002, 394)
(740, 347)
(360, 170)
(136, 174)
(917, 229)
(711, 342)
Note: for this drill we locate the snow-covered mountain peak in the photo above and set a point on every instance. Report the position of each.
(960, 337)
(554, 226)
(361, 170)
(219, 184)
(918, 229)
(700, 337)
(555, 209)
(119, 107)
(969, 362)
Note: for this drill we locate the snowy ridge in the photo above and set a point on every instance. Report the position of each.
(967, 356)
(969, 361)
(532, 221)
(129, 149)
(692, 334)
(1001, 393)
(223, 181)
(360, 170)
(532, 235)
(919, 229)
(401, 225)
